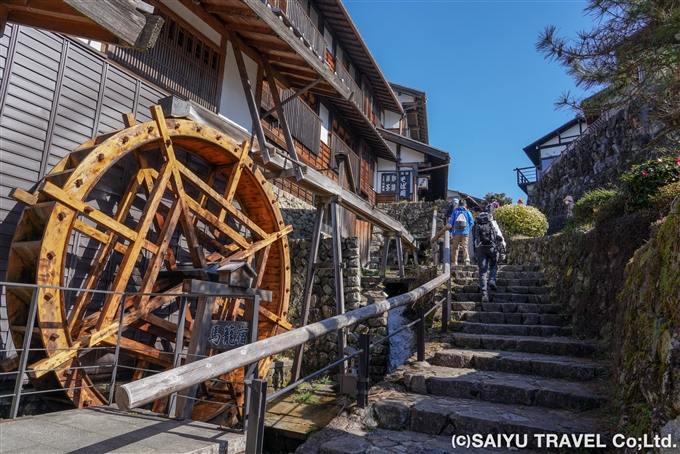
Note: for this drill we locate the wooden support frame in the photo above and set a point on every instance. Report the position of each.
(339, 286)
(269, 73)
(307, 295)
(253, 106)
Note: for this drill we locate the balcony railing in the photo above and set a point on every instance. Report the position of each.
(527, 176)
(358, 98)
(338, 146)
(302, 24)
(304, 123)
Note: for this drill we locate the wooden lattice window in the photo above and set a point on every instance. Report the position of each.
(180, 62)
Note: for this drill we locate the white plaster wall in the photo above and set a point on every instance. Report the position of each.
(392, 145)
(408, 155)
(325, 125)
(391, 119)
(233, 104)
(186, 14)
(553, 151)
(385, 165)
(405, 98)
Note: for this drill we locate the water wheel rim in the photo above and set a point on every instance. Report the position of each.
(199, 140)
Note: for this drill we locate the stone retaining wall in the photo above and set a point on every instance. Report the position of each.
(323, 350)
(597, 159)
(295, 212)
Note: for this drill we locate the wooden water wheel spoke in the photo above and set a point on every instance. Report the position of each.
(217, 198)
(122, 278)
(103, 255)
(139, 210)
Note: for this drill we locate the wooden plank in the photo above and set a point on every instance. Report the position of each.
(214, 222)
(141, 351)
(235, 175)
(141, 392)
(110, 244)
(154, 265)
(121, 17)
(44, 365)
(283, 122)
(276, 319)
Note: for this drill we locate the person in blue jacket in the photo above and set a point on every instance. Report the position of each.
(461, 221)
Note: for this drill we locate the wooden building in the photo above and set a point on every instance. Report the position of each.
(293, 76)
(420, 171)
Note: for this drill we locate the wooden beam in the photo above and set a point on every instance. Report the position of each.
(229, 10)
(253, 107)
(273, 89)
(286, 35)
(253, 248)
(146, 390)
(309, 282)
(121, 18)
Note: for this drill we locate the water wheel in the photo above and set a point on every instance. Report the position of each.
(128, 211)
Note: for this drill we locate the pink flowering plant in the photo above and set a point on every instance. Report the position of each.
(644, 180)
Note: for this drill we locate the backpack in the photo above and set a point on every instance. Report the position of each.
(485, 234)
(461, 223)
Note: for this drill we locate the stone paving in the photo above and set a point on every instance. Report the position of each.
(506, 368)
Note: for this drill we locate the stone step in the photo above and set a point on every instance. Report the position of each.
(352, 438)
(472, 271)
(510, 330)
(448, 416)
(501, 268)
(522, 363)
(505, 307)
(474, 288)
(503, 297)
(504, 388)
(560, 346)
(510, 318)
(501, 282)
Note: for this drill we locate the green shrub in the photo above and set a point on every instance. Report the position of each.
(587, 209)
(521, 220)
(642, 181)
(661, 201)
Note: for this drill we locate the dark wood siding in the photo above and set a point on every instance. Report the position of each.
(55, 94)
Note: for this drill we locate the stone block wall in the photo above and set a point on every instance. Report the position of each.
(416, 217)
(597, 159)
(295, 212)
(323, 350)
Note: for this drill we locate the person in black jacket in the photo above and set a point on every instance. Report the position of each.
(488, 240)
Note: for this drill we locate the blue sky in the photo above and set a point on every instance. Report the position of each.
(489, 92)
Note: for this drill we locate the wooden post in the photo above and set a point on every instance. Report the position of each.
(197, 344)
(248, 91)
(269, 72)
(339, 287)
(307, 295)
(386, 251)
(400, 255)
(433, 247)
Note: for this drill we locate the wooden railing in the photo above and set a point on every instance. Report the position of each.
(358, 99)
(302, 23)
(338, 146)
(304, 123)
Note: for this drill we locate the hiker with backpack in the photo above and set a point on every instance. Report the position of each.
(489, 242)
(461, 223)
(453, 204)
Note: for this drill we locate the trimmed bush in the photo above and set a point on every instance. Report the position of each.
(662, 200)
(587, 209)
(521, 220)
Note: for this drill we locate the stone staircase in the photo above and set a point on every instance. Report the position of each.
(509, 366)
